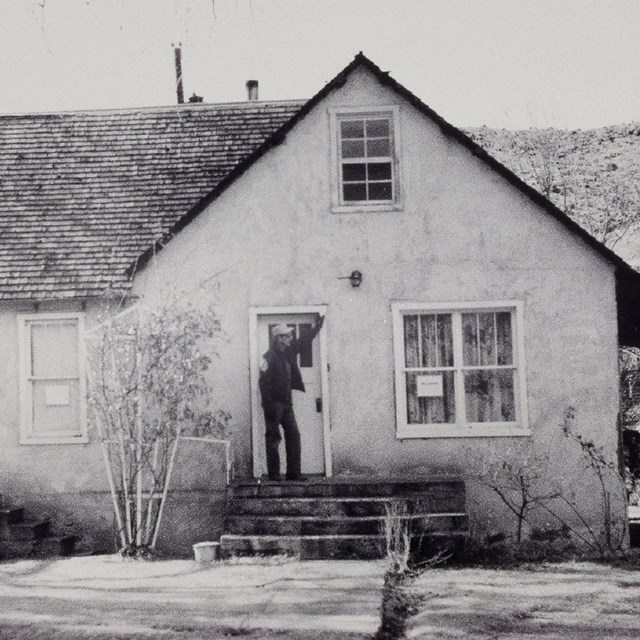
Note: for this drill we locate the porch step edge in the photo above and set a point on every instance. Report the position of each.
(411, 516)
(317, 547)
(264, 524)
(343, 506)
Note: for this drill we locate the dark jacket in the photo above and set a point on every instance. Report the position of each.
(279, 372)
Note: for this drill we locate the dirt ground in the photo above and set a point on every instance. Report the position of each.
(103, 597)
(578, 601)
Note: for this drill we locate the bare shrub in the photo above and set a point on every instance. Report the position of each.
(146, 390)
(527, 482)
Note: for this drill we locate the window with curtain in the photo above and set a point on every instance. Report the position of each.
(457, 368)
(52, 380)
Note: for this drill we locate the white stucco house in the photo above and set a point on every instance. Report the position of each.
(481, 315)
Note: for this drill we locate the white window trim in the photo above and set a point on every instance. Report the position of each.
(27, 436)
(460, 429)
(335, 114)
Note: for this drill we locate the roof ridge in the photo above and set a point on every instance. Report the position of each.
(200, 106)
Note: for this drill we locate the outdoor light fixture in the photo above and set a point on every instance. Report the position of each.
(355, 278)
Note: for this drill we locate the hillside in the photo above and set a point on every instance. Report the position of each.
(592, 175)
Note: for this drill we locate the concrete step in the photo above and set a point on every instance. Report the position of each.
(439, 488)
(30, 530)
(364, 547)
(336, 507)
(49, 547)
(322, 547)
(340, 517)
(359, 525)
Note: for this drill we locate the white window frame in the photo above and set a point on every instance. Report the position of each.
(461, 428)
(68, 436)
(336, 114)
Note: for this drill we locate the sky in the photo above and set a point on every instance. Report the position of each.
(502, 63)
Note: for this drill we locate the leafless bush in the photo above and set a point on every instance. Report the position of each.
(146, 390)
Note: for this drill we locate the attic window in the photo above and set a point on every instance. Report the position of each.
(365, 159)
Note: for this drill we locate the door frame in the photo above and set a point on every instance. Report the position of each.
(257, 435)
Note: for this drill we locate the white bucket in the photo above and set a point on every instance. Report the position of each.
(206, 552)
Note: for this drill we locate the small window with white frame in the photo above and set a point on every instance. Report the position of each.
(52, 378)
(365, 165)
(459, 370)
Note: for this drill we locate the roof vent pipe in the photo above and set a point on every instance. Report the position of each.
(252, 89)
(177, 54)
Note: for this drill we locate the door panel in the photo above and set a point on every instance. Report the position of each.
(305, 405)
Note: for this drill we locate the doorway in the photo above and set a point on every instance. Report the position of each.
(311, 408)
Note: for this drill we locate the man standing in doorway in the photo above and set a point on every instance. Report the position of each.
(279, 374)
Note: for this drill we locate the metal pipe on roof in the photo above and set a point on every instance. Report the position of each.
(177, 54)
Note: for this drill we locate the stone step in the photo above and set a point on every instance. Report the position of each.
(321, 547)
(363, 547)
(30, 530)
(331, 487)
(344, 506)
(341, 517)
(359, 525)
(49, 547)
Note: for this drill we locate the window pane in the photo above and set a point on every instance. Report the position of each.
(54, 349)
(433, 409)
(380, 191)
(379, 170)
(353, 148)
(55, 406)
(489, 396)
(469, 339)
(429, 341)
(411, 348)
(354, 172)
(445, 341)
(353, 192)
(306, 355)
(487, 338)
(505, 346)
(378, 128)
(378, 147)
(352, 129)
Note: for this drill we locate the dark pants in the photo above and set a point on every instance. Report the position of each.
(276, 414)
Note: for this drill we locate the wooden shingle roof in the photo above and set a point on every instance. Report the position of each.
(83, 194)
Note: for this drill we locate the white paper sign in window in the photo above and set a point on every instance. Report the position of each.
(429, 386)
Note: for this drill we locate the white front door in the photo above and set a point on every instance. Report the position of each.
(309, 407)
